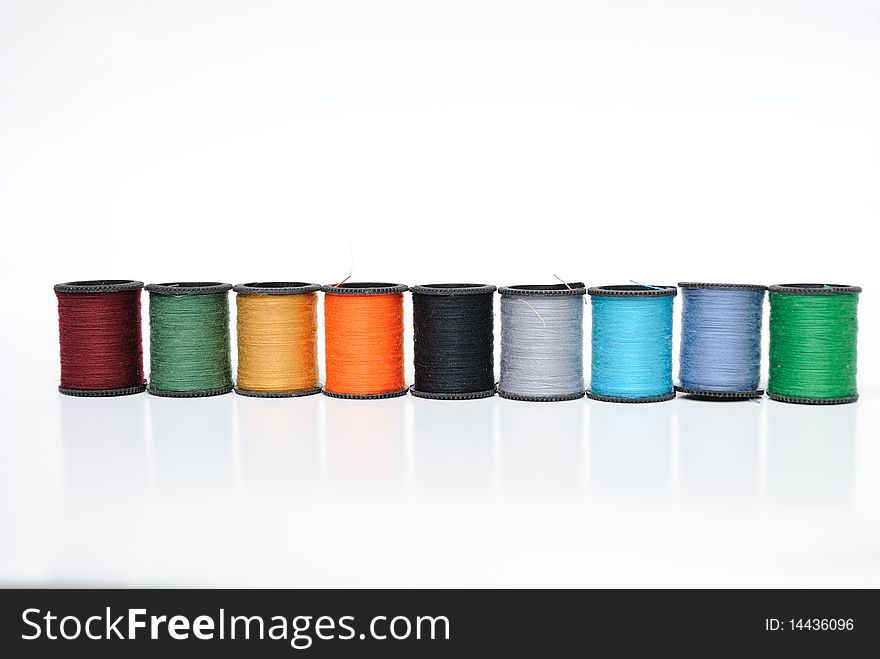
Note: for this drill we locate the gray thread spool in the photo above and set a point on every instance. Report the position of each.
(542, 342)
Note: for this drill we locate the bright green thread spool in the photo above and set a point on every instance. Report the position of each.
(813, 336)
(189, 339)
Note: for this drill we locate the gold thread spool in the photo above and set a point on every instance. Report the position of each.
(277, 339)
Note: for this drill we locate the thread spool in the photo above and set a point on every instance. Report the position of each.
(453, 341)
(363, 340)
(99, 332)
(277, 329)
(189, 339)
(542, 342)
(813, 337)
(720, 353)
(632, 343)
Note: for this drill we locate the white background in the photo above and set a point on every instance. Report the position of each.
(497, 142)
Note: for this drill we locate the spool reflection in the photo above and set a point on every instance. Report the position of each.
(630, 451)
(365, 446)
(193, 444)
(810, 454)
(448, 462)
(541, 448)
(279, 444)
(105, 449)
(719, 444)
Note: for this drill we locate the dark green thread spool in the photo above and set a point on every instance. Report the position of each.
(189, 339)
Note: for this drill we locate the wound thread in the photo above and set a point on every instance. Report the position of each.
(632, 343)
(721, 339)
(99, 332)
(189, 339)
(453, 335)
(813, 343)
(363, 340)
(542, 342)
(277, 329)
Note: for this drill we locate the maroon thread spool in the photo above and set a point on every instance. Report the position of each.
(99, 331)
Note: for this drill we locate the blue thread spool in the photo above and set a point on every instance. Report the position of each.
(721, 340)
(632, 343)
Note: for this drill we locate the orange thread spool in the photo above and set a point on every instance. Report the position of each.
(277, 339)
(363, 326)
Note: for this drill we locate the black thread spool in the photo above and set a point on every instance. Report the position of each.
(453, 336)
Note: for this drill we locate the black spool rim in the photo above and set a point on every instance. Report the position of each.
(549, 290)
(203, 393)
(733, 287)
(468, 395)
(189, 288)
(621, 399)
(632, 290)
(712, 394)
(276, 288)
(453, 289)
(250, 393)
(527, 398)
(385, 394)
(102, 393)
(801, 400)
(815, 289)
(99, 286)
(364, 288)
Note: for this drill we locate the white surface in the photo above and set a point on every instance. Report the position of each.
(728, 141)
